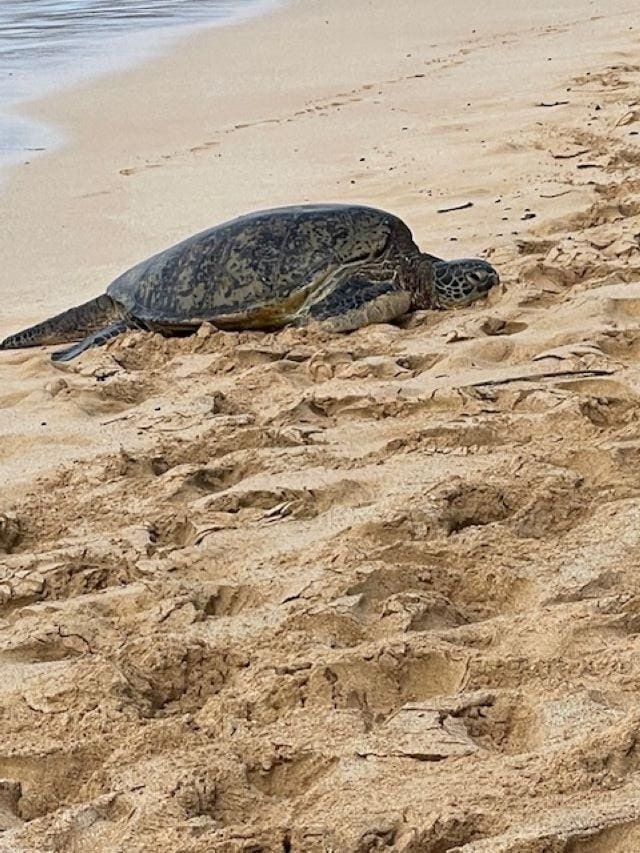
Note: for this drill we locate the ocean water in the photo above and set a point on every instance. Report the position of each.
(50, 44)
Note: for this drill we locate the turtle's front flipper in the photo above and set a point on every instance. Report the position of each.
(95, 340)
(357, 302)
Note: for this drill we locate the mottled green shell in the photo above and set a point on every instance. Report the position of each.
(259, 269)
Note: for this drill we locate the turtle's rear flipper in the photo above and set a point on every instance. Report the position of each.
(96, 340)
(358, 302)
(69, 326)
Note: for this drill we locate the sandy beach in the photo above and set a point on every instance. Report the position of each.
(296, 592)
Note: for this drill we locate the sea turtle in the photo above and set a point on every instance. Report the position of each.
(343, 265)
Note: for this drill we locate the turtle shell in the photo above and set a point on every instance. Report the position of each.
(254, 271)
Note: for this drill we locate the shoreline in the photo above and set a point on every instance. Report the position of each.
(134, 49)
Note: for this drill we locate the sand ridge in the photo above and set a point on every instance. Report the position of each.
(366, 592)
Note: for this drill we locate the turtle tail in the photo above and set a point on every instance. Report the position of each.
(71, 325)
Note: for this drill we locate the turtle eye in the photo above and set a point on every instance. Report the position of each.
(477, 277)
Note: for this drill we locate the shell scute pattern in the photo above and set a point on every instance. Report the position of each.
(256, 261)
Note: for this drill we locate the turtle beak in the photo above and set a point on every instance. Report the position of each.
(490, 281)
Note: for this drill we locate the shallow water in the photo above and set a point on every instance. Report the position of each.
(48, 44)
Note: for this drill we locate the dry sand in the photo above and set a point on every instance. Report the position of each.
(371, 592)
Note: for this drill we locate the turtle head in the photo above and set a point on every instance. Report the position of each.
(458, 283)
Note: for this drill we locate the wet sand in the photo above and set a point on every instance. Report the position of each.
(50, 45)
(301, 592)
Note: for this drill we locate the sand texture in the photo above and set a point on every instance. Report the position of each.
(368, 592)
